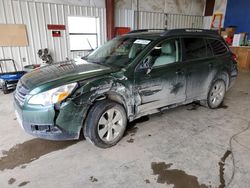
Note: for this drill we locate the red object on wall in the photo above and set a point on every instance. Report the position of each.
(122, 30)
(56, 27)
(56, 33)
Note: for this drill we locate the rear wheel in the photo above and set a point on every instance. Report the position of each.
(105, 124)
(216, 94)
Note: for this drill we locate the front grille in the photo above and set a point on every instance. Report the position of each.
(21, 93)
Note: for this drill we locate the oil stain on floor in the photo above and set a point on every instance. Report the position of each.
(93, 179)
(29, 151)
(23, 183)
(11, 181)
(175, 177)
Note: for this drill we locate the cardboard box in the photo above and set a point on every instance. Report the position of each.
(230, 31)
(243, 57)
(223, 34)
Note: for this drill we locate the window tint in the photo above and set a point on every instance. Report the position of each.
(218, 47)
(195, 48)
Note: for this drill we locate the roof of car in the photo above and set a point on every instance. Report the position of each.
(156, 33)
(145, 34)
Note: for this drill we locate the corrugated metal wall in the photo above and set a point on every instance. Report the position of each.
(156, 20)
(36, 16)
(124, 18)
(176, 21)
(150, 20)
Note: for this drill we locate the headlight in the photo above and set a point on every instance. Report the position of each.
(52, 96)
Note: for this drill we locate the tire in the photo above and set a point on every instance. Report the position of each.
(216, 94)
(5, 89)
(105, 124)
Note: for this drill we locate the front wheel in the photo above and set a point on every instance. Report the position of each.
(216, 94)
(105, 124)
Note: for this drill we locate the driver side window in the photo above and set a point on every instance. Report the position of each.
(169, 53)
(166, 52)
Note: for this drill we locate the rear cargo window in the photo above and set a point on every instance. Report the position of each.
(218, 47)
(195, 48)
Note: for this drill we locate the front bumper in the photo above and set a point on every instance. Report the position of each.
(9, 84)
(48, 124)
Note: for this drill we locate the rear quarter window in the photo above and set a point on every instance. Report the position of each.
(218, 47)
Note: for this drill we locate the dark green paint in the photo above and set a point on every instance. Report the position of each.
(139, 92)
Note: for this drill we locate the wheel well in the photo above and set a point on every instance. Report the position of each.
(114, 97)
(224, 76)
(111, 96)
(117, 98)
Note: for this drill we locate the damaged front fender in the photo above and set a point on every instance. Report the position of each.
(73, 112)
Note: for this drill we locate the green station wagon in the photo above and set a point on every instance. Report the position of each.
(130, 76)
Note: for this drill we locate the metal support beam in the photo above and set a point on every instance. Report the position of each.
(110, 18)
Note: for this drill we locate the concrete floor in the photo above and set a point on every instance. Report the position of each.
(180, 148)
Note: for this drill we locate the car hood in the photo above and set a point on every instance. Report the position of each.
(62, 73)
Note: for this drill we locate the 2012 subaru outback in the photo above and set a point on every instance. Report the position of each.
(130, 76)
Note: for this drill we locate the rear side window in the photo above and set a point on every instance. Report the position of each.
(218, 47)
(195, 48)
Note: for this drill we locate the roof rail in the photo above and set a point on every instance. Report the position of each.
(189, 30)
(146, 30)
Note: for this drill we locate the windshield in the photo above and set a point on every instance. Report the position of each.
(118, 52)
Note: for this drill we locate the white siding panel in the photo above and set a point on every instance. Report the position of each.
(156, 20)
(151, 20)
(36, 16)
(124, 18)
(176, 21)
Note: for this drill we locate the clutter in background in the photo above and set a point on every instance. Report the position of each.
(45, 56)
(9, 79)
(234, 39)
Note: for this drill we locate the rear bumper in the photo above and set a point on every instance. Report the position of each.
(234, 74)
(232, 81)
(41, 123)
